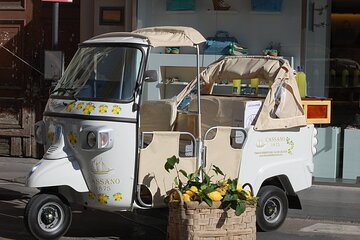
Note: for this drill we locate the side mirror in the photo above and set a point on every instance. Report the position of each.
(151, 76)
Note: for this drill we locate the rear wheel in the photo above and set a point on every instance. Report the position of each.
(47, 216)
(272, 210)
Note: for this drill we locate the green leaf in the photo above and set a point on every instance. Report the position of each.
(230, 197)
(170, 163)
(176, 181)
(180, 186)
(209, 189)
(207, 179)
(217, 170)
(232, 185)
(240, 208)
(208, 200)
(193, 177)
(183, 173)
(203, 187)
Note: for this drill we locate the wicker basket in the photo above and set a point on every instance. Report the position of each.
(197, 221)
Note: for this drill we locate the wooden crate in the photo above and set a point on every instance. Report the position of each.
(317, 111)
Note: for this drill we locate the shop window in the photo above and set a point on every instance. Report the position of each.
(111, 16)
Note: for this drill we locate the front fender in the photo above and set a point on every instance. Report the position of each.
(59, 172)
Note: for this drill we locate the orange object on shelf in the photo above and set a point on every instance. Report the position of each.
(317, 111)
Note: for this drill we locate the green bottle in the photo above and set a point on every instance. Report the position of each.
(301, 81)
(345, 78)
(356, 78)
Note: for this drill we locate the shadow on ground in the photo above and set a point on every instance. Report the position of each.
(141, 224)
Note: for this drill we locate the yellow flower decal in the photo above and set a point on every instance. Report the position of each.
(72, 138)
(51, 136)
(290, 145)
(70, 107)
(116, 109)
(79, 106)
(89, 107)
(103, 109)
(103, 199)
(117, 196)
(91, 195)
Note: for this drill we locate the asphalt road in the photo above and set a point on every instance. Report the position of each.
(90, 224)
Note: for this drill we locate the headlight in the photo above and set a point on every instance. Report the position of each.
(91, 139)
(96, 138)
(104, 139)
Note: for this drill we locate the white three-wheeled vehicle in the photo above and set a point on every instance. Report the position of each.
(105, 146)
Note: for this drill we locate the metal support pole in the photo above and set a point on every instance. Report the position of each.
(55, 26)
(199, 140)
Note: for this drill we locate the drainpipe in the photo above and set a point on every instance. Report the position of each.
(55, 26)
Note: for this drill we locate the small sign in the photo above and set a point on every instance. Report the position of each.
(54, 65)
(251, 110)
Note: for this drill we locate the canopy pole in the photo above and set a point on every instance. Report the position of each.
(199, 149)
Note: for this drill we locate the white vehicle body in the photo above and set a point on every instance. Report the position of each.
(98, 150)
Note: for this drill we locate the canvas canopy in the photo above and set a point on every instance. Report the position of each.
(171, 36)
(282, 106)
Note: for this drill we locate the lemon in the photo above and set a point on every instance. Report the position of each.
(221, 190)
(248, 194)
(215, 196)
(194, 189)
(239, 188)
(223, 184)
(190, 193)
(186, 197)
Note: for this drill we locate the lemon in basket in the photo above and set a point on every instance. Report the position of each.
(215, 196)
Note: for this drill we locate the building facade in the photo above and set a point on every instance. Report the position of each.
(322, 37)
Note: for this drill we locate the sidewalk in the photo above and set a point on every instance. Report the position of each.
(15, 169)
(339, 202)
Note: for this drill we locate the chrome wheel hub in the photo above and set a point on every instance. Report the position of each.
(272, 209)
(50, 217)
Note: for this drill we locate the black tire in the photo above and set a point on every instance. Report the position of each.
(272, 208)
(47, 216)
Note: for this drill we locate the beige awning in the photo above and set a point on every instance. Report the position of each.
(282, 106)
(171, 36)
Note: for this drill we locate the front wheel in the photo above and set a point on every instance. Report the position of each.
(47, 216)
(272, 210)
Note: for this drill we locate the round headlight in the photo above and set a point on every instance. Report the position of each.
(91, 139)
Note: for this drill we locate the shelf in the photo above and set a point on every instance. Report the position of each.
(175, 83)
(181, 12)
(225, 12)
(265, 13)
(209, 11)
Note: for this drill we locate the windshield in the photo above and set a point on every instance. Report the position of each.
(101, 73)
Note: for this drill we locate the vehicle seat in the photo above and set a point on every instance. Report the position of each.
(220, 153)
(220, 111)
(158, 115)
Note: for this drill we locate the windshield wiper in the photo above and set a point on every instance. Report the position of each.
(69, 91)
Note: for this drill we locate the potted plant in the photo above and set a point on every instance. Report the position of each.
(273, 49)
(221, 5)
(225, 207)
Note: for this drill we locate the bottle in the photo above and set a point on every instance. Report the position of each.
(356, 78)
(301, 81)
(345, 78)
(254, 86)
(332, 77)
(236, 87)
